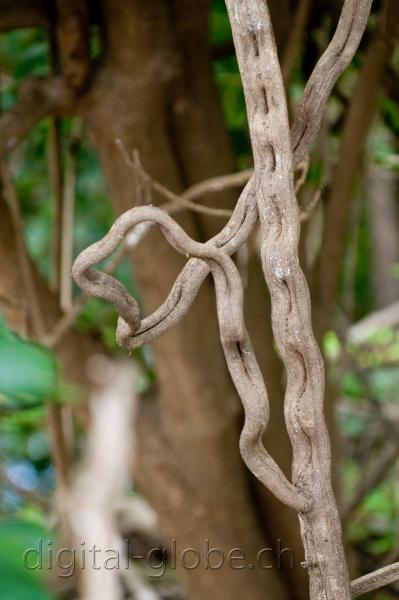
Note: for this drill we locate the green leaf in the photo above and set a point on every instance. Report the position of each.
(16, 580)
(352, 386)
(332, 345)
(390, 111)
(28, 372)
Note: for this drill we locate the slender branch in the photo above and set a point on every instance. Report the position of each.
(307, 211)
(11, 197)
(61, 453)
(60, 329)
(332, 64)
(303, 170)
(375, 580)
(55, 175)
(296, 33)
(68, 207)
(217, 184)
(55, 172)
(186, 199)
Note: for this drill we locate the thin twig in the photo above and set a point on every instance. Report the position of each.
(60, 329)
(183, 200)
(302, 173)
(375, 580)
(55, 173)
(307, 211)
(68, 207)
(294, 39)
(10, 194)
(217, 184)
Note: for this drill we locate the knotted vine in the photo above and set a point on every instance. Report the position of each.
(268, 198)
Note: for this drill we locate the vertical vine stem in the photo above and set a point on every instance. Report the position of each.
(291, 311)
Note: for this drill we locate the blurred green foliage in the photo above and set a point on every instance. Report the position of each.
(28, 372)
(18, 581)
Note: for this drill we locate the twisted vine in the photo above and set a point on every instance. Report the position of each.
(269, 197)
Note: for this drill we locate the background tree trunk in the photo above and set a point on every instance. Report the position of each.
(382, 200)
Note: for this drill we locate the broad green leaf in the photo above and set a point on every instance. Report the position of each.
(28, 372)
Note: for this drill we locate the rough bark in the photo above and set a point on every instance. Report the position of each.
(279, 221)
(280, 521)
